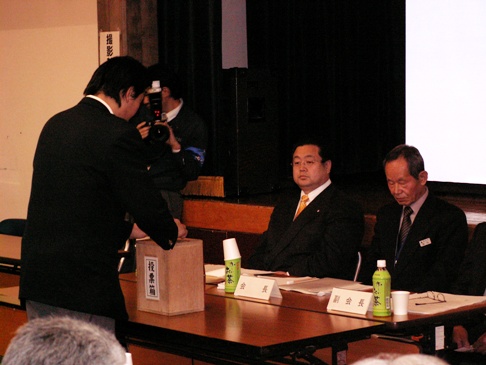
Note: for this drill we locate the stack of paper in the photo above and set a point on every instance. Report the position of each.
(302, 284)
(215, 273)
(286, 279)
(324, 286)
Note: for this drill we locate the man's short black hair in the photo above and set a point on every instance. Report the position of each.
(117, 75)
(168, 78)
(324, 149)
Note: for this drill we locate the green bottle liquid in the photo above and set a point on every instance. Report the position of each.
(381, 290)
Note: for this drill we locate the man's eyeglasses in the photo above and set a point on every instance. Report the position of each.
(435, 297)
(305, 163)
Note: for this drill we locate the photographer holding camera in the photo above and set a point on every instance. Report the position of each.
(175, 136)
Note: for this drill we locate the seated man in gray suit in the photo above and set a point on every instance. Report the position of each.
(423, 249)
(321, 240)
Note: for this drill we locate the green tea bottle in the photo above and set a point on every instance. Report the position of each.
(381, 290)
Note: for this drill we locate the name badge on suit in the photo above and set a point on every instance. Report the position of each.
(425, 242)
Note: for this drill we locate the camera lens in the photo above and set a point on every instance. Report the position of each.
(159, 132)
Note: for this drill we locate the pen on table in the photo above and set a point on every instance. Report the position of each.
(274, 274)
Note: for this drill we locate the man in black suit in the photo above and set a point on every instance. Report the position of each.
(321, 241)
(90, 173)
(424, 254)
(472, 281)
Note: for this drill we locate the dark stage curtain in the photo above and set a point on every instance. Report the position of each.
(340, 66)
(190, 41)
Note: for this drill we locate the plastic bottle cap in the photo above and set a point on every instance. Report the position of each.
(156, 84)
(381, 263)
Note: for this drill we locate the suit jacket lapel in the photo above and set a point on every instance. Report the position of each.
(313, 210)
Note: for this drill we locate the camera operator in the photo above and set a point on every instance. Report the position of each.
(176, 140)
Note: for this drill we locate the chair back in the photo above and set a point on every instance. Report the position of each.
(358, 267)
(13, 226)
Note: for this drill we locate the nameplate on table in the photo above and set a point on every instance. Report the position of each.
(258, 288)
(352, 301)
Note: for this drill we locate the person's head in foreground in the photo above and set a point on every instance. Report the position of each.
(63, 341)
(399, 359)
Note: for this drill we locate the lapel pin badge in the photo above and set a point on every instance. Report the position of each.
(425, 242)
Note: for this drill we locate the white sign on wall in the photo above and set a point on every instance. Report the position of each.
(109, 45)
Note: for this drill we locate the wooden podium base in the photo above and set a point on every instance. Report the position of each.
(170, 282)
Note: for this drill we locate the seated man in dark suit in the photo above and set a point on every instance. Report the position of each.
(422, 249)
(472, 281)
(321, 240)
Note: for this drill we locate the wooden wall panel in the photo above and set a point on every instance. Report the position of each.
(219, 215)
(137, 22)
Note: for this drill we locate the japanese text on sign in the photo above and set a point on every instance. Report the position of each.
(109, 45)
(151, 278)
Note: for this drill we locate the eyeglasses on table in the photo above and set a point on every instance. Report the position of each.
(434, 296)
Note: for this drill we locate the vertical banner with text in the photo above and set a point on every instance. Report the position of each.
(109, 45)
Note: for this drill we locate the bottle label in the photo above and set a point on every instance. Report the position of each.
(232, 274)
(381, 293)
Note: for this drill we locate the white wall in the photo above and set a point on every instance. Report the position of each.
(49, 50)
(446, 87)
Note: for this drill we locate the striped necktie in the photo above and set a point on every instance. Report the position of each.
(302, 205)
(406, 225)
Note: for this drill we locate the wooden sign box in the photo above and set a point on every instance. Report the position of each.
(170, 282)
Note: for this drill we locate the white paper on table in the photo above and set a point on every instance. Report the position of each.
(324, 286)
(453, 301)
(217, 272)
(287, 280)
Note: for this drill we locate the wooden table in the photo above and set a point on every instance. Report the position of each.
(239, 331)
(243, 330)
(407, 325)
(392, 323)
(233, 331)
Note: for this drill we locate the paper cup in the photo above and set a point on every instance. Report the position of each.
(128, 356)
(230, 249)
(400, 302)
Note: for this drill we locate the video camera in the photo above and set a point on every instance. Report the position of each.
(158, 132)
